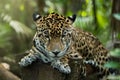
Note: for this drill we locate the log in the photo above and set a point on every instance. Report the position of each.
(42, 71)
(7, 75)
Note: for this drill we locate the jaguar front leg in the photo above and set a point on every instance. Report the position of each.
(27, 60)
(62, 66)
(31, 57)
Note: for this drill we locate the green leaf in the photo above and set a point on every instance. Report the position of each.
(119, 36)
(20, 28)
(115, 53)
(22, 7)
(113, 77)
(116, 16)
(113, 64)
(5, 33)
(102, 20)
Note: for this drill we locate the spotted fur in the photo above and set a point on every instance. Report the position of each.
(57, 41)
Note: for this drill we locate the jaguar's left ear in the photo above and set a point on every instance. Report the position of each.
(36, 16)
(72, 18)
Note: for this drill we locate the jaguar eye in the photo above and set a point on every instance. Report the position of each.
(39, 35)
(46, 34)
(64, 33)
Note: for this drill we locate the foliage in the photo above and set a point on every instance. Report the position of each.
(15, 35)
(117, 16)
(115, 53)
(17, 21)
(17, 27)
(114, 64)
(113, 77)
(5, 32)
(8, 29)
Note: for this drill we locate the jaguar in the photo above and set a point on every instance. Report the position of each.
(56, 41)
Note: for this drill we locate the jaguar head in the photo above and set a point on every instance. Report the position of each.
(54, 34)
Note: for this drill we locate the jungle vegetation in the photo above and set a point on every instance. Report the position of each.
(100, 17)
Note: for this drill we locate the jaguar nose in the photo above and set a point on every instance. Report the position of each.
(56, 52)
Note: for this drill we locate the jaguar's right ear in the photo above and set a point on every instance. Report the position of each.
(36, 16)
(72, 18)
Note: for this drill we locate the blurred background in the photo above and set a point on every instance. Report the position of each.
(100, 17)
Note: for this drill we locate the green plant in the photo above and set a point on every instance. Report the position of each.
(114, 64)
(12, 34)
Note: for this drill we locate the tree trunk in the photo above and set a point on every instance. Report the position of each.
(115, 28)
(41, 5)
(95, 14)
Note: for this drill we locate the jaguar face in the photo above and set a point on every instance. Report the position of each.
(54, 34)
